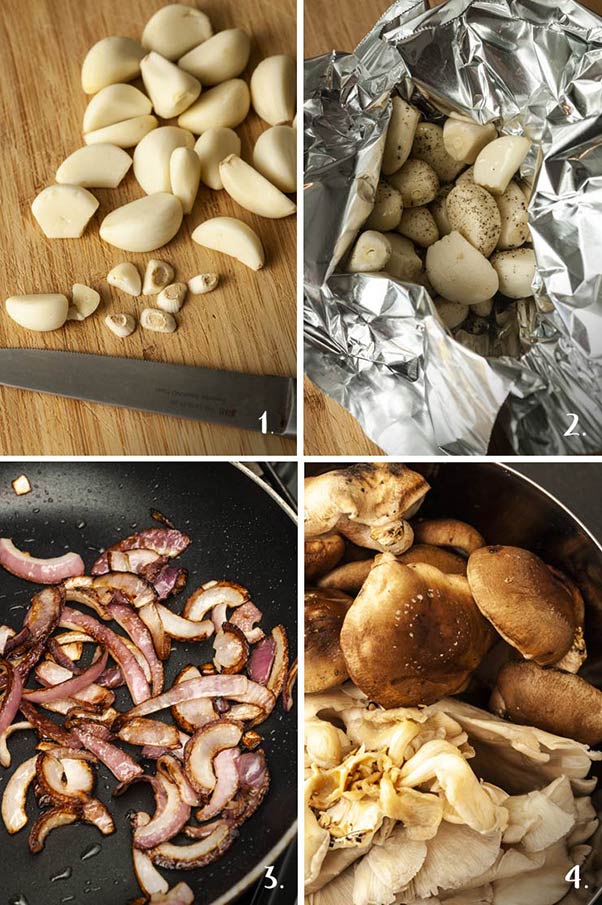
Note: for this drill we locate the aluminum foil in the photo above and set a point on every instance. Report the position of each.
(533, 67)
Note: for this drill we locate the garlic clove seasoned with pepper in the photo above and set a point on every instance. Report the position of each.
(172, 297)
(158, 321)
(157, 276)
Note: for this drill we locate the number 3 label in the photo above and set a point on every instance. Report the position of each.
(571, 432)
(270, 876)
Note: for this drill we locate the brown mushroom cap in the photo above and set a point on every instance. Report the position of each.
(448, 532)
(549, 699)
(413, 634)
(442, 559)
(349, 577)
(530, 608)
(325, 611)
(322, 554)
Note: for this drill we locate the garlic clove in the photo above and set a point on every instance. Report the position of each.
(158, 321)
(231, 237)
(113, 104)
(143, 225)
(41, 312)
(126, 277)
(252, 190)
(222, 57)
(125, 134)
(157, 276)
(63, 211)
(185, 176)
(84, 302)
(274, 89)
(275, 157)
(95, 166)
(170, 88)
(109, 61)
(203, 283)
(121, 324)
(172, 297)
(211, 148)
(226, 105)
(498, 162)
(153, 155)
(176, 29)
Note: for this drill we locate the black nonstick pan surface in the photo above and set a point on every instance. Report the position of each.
(240, 531)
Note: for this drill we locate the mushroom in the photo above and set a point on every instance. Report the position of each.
(530, 608)
(550, 699)
(425, 635)
(448, 532)
(349, 577)
(322, 554)
(325, 611)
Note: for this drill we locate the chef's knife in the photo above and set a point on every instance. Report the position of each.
(250, 401)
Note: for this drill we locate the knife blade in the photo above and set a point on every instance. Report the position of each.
(249, 401)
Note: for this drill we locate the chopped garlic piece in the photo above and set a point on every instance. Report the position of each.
(158, 321)
(157, 276)
(21, 485)
(203, 282)
(120, 324)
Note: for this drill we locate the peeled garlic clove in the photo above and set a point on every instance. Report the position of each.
(125, 134)
(516, 271)
(371, 253)
(158, 274)
(175, 29)
(202, 283)
(185, 175)
(153, 155)
(499, 161)
(252, 190)
(126, 277)
(63, 211)
(158, 321)
(113, 104)
(84, 302)
(96, 166)
(231, 237)
(226, 105)
(275, 157)
(464, 140)
(111, 60)
(143, 225)
(172, 297)
(222, 57)
(170, 89)
(120, 324)
(42, 312)
(274, 89)
(211, 148)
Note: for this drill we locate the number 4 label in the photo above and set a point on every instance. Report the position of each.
(270, 876)
(574, 876)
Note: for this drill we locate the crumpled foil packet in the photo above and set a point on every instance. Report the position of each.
(374, 344)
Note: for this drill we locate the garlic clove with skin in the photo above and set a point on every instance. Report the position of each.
(158, 321)
(172, 297)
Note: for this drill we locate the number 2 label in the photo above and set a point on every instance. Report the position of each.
(571, 432)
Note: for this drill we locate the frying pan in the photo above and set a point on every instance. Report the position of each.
(240, 530)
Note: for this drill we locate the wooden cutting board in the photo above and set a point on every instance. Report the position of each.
(329, 430)
(247, 324)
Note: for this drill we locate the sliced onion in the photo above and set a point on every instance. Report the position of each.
(184, 629)
(171, 815)
(142, 638)
(99, 729)
(94, 811)
(280, 667)
(62, 815)
(12, 696)
(142, 731)
(191, 715)
(190, 857)
(205, 687)
(169, 581)
(132, 561)
(65, 780)
(226, 784)
(245, 618)
(161, 641)
(181, 894)
(171, 768)
(247, 801)
(5, 758)
(39, 623)
(149, 879)
(89, 597)
(6, 632)
(47, 728)
(122, 766)
(258, 695)
(211, 594)
(231, 649)
(203, 747)
(137, 590)
(40, 571)
(252, 769)
(164, 541)
(262, 660)
(15, 795)
(245, 712)
(70, 686)
(201, 832)
(66, 655)
(219, 615)
(287, 691)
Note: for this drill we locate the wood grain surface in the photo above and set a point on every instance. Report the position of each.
(248, 324)
(329, 430)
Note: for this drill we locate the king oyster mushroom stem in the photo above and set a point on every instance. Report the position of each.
(231, 237)
(275, 157)
(185, 176)
(222, 57)
(143, 225)
(175, 29)
(158, 321)
(157, 276)
(172, 297)
(109, 61)
(126, 134)
(170, 89)
(203, 283)
(121, 324)
(113, 104)
(95, 166)
(41, 312)
(63, 211)
(125, 276)
(84, 302)
(274, 89)
(152, 157)
(211, 148)
(252, 190)
(226, 105)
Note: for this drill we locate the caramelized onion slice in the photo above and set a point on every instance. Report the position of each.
(161, 641)
(72, 686)
(149, 879)
(131, 622)
(61, 815)
(205, 687)
(5, 758)
(190, 857)
(66, 780)
(184, 629)
(245, 617)
(171, 815)
(226, 784)
(191, 715)
(11, 698)
(15, 795)
(280, 667)
(137, 590)
(122, 766)
(287, 691)
(40, 571)
(204, 746)
(211, 594)
(165, 541)
(142, 731)
(231, 649)
(261, 660)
